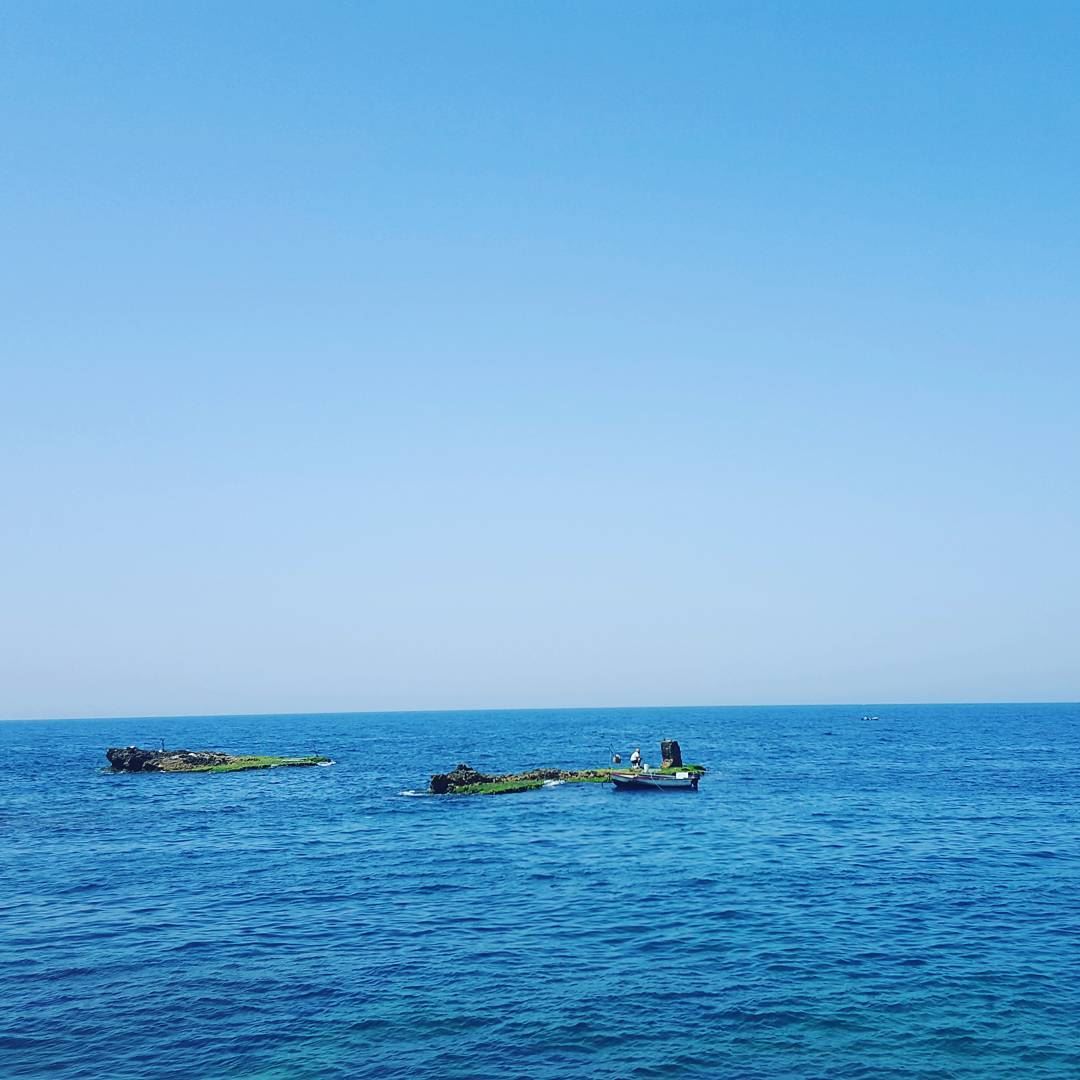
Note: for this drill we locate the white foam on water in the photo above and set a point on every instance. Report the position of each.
(414, 794)
(554, 783)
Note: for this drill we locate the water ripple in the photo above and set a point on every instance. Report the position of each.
(894, 900)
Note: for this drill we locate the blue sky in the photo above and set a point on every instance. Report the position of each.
(399, 355)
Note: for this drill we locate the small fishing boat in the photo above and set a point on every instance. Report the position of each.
(654, 781)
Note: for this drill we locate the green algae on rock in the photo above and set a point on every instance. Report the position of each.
(497, 787)
(465, 780)
(134, 759)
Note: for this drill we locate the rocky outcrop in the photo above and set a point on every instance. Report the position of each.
(461, 776)
(134, 759)
(465, 776)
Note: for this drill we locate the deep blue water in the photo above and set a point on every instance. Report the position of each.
(842, 898)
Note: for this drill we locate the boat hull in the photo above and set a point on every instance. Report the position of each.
(653, 782)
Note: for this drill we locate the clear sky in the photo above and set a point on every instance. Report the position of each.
(429, 355)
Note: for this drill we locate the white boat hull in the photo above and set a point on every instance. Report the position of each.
(642, 781)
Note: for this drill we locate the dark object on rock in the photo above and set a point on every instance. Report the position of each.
(670, 754)
(132, 759)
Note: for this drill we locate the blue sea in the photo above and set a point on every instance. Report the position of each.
(897, 897)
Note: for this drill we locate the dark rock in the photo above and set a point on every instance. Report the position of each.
(134, 759)
(465, 776)
(535, 774)
(670, 753)
(462, 776)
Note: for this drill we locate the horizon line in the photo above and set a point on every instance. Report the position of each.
(514, 708)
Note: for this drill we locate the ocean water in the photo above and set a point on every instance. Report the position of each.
(896, 897)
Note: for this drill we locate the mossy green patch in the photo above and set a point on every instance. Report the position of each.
(582, 776)
(498, 787)
(603, 775)
(252, 761)
(588, 776)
